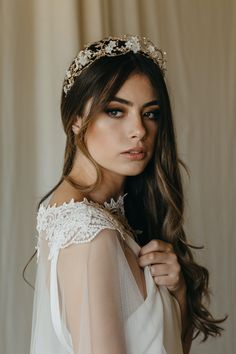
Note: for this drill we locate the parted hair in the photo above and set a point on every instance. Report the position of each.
(155, 200)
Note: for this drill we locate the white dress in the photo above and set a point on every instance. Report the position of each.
(87, 299)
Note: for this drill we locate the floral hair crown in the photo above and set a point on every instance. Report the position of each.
(111, 47)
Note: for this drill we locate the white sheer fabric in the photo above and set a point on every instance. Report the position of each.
(91, 297)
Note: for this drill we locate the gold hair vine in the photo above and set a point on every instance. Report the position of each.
(113, 46)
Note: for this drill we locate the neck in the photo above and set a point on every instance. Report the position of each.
(84, 173)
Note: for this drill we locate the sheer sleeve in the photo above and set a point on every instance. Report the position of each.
(89, 295)
(86, 299)
(80, 302)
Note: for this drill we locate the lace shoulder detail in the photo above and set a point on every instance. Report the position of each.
(76, 222)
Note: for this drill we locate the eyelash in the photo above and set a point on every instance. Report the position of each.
(108, 111)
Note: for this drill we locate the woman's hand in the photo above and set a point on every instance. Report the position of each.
(166, 271)
(165, 267)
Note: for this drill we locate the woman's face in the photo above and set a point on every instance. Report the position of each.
(130, 121)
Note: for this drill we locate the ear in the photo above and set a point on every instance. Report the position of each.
(78, 121)
(77, 124)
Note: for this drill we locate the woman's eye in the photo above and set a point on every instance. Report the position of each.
(113, 112)
(153, 114)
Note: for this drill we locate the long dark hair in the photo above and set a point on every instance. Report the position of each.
(155, 201)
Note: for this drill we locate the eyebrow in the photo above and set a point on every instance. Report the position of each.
(128, 103)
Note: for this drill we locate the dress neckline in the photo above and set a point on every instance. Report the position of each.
(113, 205)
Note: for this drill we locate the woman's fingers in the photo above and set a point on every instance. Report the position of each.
(159, 269)
(157, 257)
(165, 267)
(156, 245)
(153, 257)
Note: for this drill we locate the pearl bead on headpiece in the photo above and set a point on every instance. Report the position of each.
(113, 46)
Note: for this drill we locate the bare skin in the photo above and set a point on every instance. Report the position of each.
(130, 122)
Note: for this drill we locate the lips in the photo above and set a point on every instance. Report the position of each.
(136, 150)
(135, 154)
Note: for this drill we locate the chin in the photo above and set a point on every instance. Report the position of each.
(134, 171)
(136, 168)
(130, 170)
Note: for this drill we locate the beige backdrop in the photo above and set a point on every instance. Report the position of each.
(38, 40)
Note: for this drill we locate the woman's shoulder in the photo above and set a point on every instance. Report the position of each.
(63, 194)
(65, 221)
(63, 206)
(72, 215)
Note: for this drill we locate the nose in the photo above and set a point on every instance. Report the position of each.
(137, 128)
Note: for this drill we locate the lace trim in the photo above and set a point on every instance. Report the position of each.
(112, 205)
(79, 222)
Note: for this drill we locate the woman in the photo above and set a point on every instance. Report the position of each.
(115, 273)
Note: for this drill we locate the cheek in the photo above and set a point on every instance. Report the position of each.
(100, 139)
(152, 134)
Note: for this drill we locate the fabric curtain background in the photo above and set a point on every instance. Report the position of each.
(38, 41)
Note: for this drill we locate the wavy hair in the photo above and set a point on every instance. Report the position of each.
(155, 201)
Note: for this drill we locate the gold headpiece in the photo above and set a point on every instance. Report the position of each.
(113, 46)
